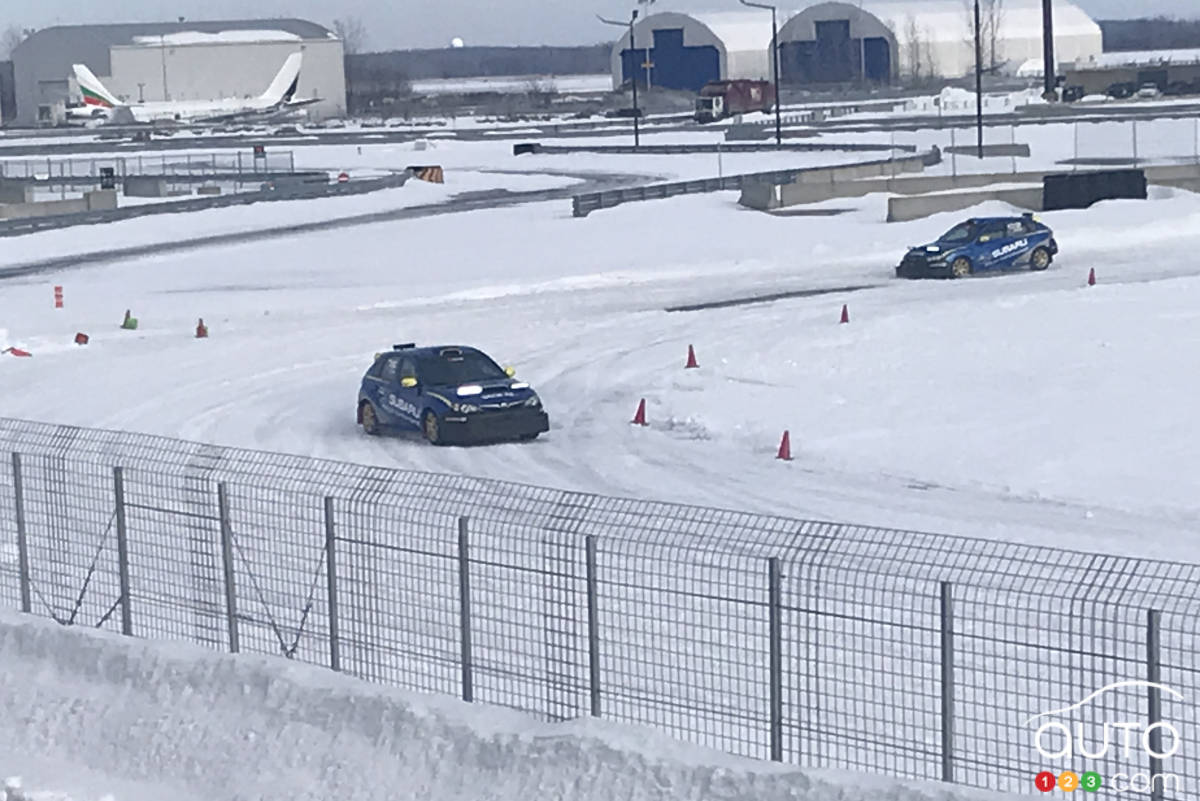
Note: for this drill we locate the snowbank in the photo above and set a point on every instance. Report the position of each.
(183, 38)
(196, 724)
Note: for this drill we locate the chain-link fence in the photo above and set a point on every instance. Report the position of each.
(825, 645)
(200, 166)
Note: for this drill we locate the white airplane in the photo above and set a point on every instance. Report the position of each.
(99, 103)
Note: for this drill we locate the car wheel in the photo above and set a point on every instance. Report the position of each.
(370, 422)
(431, 428)
(1040, 259)
(960, 267)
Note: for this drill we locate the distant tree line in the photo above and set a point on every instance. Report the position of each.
(475, 62)
(1157, 33)
(383, 80)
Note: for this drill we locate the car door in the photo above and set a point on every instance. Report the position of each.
(401, 389)
(1018, 244)
(989, 244)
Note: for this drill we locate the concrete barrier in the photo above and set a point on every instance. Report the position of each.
(145, 186)
(100, 200)
(821, 185)
(824, 183)
(991, 151)
(15, 191)
(903, 208)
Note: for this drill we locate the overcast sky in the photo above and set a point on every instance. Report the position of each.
(395, 24)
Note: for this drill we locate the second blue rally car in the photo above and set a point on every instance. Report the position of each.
(983, 244)
(451, 394)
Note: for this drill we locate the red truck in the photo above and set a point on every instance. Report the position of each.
(720, 99)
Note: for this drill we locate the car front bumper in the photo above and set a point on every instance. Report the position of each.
(918, 266)
(493, 426)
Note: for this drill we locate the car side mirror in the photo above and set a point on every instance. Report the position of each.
(408, 382)
(510, 371)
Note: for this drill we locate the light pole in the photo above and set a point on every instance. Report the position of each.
(978, 79)
(633, 50)
(775, 61)
(1048, 49)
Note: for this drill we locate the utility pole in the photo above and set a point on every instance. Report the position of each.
(775, 62)
(633, 53)
(1048, 48)
(162, 40)
(979, 79)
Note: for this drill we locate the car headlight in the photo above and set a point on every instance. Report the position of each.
(533, 400)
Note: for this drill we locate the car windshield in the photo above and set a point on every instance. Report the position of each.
(458, 367)
(959, 233)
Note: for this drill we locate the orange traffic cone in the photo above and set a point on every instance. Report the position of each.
(18, 352)
(1092, 277)
(639, 419)
(845, 313)
(691, 360)
(58, 297)
(785, 447)
(201, 329)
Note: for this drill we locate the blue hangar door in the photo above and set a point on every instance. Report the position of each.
(834, 57)
(672, 66)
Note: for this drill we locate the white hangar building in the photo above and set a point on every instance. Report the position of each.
(887, 41)
(686, 51)
(203, 60)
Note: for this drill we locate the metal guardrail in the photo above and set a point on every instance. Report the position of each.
(585, 204)
(300, 190)
(813, 643)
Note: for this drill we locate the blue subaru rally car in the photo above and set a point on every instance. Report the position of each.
(982, 244)
(451, 394)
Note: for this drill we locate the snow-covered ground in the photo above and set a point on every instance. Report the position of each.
(1028, 407)
(999, 408)
(90, 716)
(562, 84)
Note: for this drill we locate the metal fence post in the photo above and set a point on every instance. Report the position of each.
(1154, 699)
(947, 615)
(1135, 142)
(22, 535)
(593, 606)
(775, 627)
(335, 659)
(123, 551)
(227, 560)
(953, 152)
(464, 608)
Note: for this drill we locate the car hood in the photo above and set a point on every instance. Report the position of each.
(494, 391)
(938, 247)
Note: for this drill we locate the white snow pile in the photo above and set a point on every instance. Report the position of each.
(195, 724)
(183, 38)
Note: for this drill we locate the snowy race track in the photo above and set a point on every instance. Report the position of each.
(1024, 407)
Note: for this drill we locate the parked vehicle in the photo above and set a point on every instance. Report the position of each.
(450, 394)
(1149, 91)
(982, 244)
(721, 99)
(1120, 91)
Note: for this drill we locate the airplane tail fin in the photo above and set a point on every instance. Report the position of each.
(284, 86)
(94, 93)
